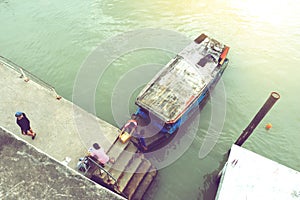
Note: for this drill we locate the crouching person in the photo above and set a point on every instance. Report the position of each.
(98, 153)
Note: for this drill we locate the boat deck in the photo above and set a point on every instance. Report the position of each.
(182, 80)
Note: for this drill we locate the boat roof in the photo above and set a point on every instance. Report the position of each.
(182, 80)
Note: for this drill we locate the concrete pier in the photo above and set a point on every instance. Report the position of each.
(66, 131)
(56, 124)
(55, 121)
(27, 173)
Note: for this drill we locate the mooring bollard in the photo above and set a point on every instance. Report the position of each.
(26, 79)
(258, 117)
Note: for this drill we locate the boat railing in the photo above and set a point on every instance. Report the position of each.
(26, 75)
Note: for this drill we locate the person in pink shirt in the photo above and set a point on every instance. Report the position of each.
(98, 153)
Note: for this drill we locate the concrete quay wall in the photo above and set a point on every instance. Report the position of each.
(32, 169)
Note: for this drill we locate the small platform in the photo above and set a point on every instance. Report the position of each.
(247, 175)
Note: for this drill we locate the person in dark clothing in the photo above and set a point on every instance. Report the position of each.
(142, 146)
(24, 124)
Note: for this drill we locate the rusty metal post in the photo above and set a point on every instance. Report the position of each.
(258, 117)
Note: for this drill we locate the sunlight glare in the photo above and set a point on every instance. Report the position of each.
(270, 11)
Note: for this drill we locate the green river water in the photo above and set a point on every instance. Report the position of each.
(52, 39)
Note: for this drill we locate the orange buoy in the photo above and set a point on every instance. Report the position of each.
(268, 126)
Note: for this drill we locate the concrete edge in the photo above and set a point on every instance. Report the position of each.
(60, 163)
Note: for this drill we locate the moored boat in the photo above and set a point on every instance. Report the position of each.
(170, 98)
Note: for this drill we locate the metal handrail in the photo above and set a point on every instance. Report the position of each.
(108, 173)
(23, 71)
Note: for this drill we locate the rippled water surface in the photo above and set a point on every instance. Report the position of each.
(52, 39)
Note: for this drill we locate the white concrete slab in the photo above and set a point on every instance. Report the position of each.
(250, 176)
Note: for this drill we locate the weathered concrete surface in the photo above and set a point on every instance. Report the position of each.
(63, 129)
(27, 173)
(247, 175)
